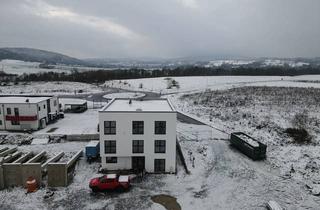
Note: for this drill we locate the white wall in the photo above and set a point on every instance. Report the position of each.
(24, 110)
(124, 138)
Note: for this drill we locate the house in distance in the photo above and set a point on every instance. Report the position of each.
(138, 135)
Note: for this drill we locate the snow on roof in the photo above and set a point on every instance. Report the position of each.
(72, 101)
(124, 105)
(111, 176)
(93, 143)
(21, 99)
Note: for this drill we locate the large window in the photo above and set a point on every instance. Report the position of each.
(137, 127)
(160, 146)
(111, 159)
(160, 127)
(137, 146)
(8, 111)
(159, 165)
(109, 127)
(110, 147)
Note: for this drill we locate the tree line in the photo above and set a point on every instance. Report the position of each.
(98, 76)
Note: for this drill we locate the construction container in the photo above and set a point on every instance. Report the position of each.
(93, 150)
(248, 145)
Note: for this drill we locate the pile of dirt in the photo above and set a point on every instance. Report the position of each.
(16, 139)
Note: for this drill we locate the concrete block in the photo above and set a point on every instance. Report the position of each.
(3, 149)
(1, 179)
(57, 175)
(53, 159)
(37, 157)
(12, 174)
(31, 170)
(8, 151)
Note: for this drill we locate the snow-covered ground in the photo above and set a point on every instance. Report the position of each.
(54, 88)
(132, 95)
(221, 178)
(74, 123)
(200, 83)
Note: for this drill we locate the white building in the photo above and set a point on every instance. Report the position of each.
(138, 135)
(27, 112)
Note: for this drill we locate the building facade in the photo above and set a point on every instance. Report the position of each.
(18, 113)
(139, 135)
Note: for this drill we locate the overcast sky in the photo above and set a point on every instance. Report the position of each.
(163, 28)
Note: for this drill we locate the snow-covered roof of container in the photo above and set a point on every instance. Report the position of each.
(72, 101)
(21, 99)
(126, 105)
(93, 143)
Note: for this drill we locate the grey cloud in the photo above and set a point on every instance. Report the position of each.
(167, 28)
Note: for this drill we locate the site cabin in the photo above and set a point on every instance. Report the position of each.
(92, 150)
(138, 135)
(248, 145)
(74, 105)
(25, 113)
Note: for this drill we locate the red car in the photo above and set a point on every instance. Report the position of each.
(110, 182)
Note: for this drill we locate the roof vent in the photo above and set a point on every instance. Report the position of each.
(130, 101)
(27, 100)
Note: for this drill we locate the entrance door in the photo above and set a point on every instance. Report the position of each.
(138, 163)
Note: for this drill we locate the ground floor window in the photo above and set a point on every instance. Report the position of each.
(111, 159)
(159, 165)
(0, 122)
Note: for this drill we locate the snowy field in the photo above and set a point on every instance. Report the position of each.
(54, 88)
(200, 83)
(265, 113)
(24, 67)
(132, 95)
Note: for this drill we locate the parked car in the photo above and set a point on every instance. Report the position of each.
(110, 182)
(272, 205)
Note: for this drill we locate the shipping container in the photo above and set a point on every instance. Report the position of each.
(93, 150)
(248, 145)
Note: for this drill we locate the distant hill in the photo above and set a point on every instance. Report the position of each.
(36, 55)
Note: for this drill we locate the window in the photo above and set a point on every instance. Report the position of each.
(160, 127)
(109, 127)
(0, 122)
(16, 111)
(39, 108)
(159, 165)
(137, 127)
(54, 103)
(44, 106)
(110, 147)
(15, 123)
(111, 159)
(137, 146)
(8, 111)
(160, 146)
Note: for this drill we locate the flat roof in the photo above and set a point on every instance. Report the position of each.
(72, 101)
(123, 105)
(21, 99)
